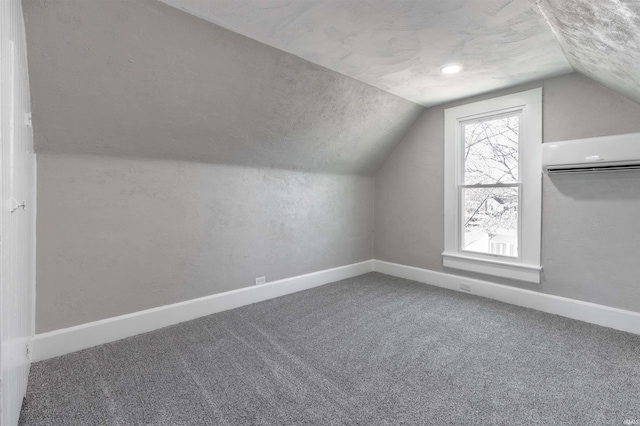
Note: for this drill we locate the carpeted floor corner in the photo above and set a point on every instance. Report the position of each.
(370, 350)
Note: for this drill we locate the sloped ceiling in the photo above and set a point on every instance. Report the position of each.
(400, 46)
(142, 79)
(601, 39)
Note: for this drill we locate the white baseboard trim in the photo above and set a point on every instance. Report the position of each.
(593, 313)
(67, 340)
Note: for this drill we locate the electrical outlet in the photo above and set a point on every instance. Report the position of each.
(261, 280)
(465, 287)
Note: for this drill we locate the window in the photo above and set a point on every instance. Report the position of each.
(493, 186)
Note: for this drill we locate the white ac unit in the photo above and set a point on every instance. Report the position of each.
(607, 153)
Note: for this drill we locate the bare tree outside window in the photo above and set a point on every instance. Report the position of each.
(491, 187)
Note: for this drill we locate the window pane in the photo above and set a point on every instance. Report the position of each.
(490, 220)
(491, 151)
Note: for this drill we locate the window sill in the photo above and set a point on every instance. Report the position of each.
(498, 268)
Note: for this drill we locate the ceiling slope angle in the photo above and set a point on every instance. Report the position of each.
(400, 47)
(141, 79)
(601, 39)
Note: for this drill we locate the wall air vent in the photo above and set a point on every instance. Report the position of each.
(601, 154)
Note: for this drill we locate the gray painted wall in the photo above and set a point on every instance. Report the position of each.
(178, 159)
(590, 222)
(142, 79)
(120, 235)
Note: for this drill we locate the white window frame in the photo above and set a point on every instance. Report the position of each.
(526, 267)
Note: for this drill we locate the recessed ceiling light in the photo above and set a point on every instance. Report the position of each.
(451, 69)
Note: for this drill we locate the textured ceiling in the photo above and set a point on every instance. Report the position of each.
(601, 39)
(142, 79)
(399, 46)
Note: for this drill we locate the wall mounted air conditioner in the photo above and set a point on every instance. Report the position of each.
(607, 153)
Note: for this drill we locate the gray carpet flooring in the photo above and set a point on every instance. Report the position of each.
(371, 350)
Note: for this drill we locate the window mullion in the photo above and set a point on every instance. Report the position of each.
(492, 185)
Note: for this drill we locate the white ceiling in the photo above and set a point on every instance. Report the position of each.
(601, 39)
(399, 46)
